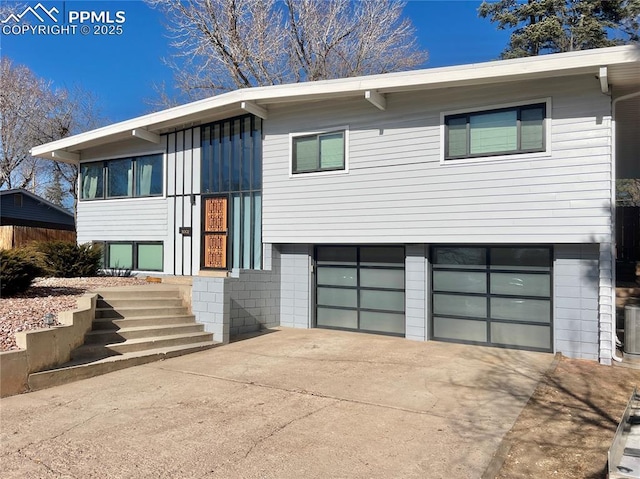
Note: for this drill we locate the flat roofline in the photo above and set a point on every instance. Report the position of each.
(545, 66)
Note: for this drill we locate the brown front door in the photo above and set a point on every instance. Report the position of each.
(215, 232)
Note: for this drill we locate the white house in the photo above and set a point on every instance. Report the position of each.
(471, 203)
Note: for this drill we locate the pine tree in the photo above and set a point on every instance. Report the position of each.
(54, 192)
(553, 26)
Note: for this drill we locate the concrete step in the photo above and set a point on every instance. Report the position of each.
(137, 292)
(140, 321)
(98, 351)
(122, 313)
(109, 336)
(117, 303)
(76, 370)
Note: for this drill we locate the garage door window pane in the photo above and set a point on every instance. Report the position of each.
(121, 256)
(338, 256)
(459, 257)
(460, 329)
(337, 318)
(460, 281)
(387, 300)
(520, 309)
(521, 284)
(521, 335)
(338, 297)
(338, 276)
(381, 256)
(532, 259)
(382, 322)
(150, 257)
(456, 305)
(382, 278)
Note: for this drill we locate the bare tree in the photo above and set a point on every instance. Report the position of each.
(33, 112)
(25, 102)
(229, 44)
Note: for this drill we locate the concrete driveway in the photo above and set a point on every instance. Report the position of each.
(288, 404)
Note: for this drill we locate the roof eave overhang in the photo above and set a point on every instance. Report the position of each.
(230, 104)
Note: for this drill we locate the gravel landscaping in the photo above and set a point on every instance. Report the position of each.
(47, 295)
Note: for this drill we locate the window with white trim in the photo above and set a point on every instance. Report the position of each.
(501, 131)
(132, 255)
(122, 178)
(316, 152)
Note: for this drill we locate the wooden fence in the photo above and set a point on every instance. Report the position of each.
(16, 236)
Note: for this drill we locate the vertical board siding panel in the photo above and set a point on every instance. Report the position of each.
(180, 239)
(170, 248)
(171, 164)
(196, 165)
(180, 163)
(196, 181)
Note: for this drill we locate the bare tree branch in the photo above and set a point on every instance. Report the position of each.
(229, 44)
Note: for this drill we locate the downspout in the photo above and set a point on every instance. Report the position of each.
(614, 334)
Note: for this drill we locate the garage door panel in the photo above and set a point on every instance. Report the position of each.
(344, 256)
(459, 305)
(505, 291)
(337, 276)
(337, 297)
(361, 288)
(382, 278)
(386, 300)
(382, 322)
(382, 256)
(521, 335)
(460, 281)
(521, 284)
(337, 318)
(460, 329)
(532, 259)
(521, 309)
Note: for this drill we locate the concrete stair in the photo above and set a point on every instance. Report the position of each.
(133, 325)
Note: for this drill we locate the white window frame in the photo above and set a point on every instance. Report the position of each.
(333, 129)
(498, 158)
(120, 157)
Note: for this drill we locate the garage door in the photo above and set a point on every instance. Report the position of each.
(360, 288)
(492, 295)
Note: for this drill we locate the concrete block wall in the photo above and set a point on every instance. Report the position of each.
(296, 293)
(211, 305)
(247, 301)
(416, 287)
(255, 297)
(576, 281)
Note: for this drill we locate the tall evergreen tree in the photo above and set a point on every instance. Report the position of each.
(54, 192)
(553, 26)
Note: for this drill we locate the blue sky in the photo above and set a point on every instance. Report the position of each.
(122, 69)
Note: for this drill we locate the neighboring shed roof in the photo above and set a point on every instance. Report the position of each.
(23, 208)
(615, 66)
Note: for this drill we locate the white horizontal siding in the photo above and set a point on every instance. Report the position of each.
(397, 190)
(143, 219)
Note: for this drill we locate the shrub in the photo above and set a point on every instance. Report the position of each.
(18, 269)
(116, 272)
(65, 259)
